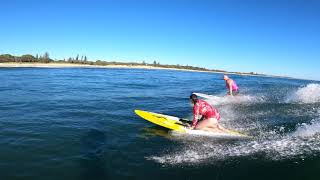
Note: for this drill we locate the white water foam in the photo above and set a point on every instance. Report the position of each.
(307, 94)
(305, 141)
(307, 130)
(273, 149)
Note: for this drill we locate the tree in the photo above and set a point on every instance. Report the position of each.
(46, 55)
(85, 59)
(27, 58)
(17, 59)
(45, 58)
(154, 63)
(7, 58)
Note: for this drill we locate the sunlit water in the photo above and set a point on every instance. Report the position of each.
(75, 123)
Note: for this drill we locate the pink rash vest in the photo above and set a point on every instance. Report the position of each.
(202, 108)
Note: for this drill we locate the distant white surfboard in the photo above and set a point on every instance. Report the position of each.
(206, 96)
(218, 100)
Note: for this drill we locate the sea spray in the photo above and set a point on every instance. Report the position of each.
(307, 94)
(307, 130)
(276, 148)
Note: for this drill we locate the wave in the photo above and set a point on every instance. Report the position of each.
(302, 143)
(307, 94)
(210, 153)
(307, 130)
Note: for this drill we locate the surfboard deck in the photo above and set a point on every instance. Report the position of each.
(206, 96)
(174, 123)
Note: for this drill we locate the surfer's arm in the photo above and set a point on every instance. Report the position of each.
(194, 123)
(195, 115)
(230, 87)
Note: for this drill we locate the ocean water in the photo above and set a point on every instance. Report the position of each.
(79, 124)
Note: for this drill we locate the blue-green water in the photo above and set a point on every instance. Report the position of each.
(74, 123)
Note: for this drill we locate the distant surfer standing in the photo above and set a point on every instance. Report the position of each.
(205, 117)
(231, 86)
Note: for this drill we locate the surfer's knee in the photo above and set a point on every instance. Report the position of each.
(207, 123)
(213, 122)
(202, 124)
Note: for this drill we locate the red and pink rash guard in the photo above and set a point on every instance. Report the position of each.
(234, 85)
(202, 108)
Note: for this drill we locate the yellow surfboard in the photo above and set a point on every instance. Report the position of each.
(169, 122)
(174, 123)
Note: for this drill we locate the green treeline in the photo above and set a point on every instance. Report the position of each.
(25, 58)
(45, 58)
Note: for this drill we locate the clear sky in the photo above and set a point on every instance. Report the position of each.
(267, 36)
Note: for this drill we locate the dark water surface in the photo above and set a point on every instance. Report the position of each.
(74, 124)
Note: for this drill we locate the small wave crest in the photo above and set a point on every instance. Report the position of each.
(285, 148)
(307, 130)
(303, 142)
(307, 94)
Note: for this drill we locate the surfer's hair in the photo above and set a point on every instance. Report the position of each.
(194, 97)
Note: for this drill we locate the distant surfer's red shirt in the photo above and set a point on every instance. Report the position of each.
(203, 109)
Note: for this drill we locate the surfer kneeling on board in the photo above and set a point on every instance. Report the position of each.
(231, 86)
(205, 117)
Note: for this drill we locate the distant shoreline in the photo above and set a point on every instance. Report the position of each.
(73, 65)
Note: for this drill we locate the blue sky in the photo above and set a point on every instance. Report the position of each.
(266, 36)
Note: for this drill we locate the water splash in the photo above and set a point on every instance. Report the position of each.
(205, 152)
(307, 94)
(303, 142)
(307, 130)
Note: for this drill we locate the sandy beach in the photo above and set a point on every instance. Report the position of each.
(71, 65)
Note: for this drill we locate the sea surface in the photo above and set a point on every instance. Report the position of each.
(79, 124)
